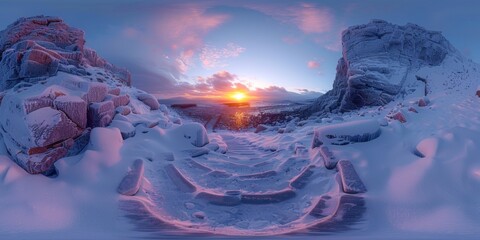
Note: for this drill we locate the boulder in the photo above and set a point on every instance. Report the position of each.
(33, 103)
(48, 126)
(123, 110)
(96, 92)
(328, 158)
(351, 182)
(126, 128)
(118, 101)
(114, 91)
(100, 114)
(195, 133)
(346, 133)
(423, 102)
(74, 107)
(399, 116)
(131, 183)
(149, 100)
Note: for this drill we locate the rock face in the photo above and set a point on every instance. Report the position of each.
(39, 47)
(54, 90)
(379, 62)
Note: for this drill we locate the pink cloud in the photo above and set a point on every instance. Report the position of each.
(291, 40)
(313, 64)
(223, 83)
(307, 17)
(212, 57)
(130, 32)
(313, 20)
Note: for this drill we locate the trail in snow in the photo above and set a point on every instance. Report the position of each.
(247, 191)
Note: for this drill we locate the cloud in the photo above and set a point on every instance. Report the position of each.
(212, 57)
(307, 17)
(313, 64)
(223, 83)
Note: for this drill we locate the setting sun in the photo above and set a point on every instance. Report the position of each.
(239, 96)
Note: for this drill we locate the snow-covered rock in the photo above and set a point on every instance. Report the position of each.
(149, 100)
(194, 133)
(126, 128)
(351, 182)
(132, 181)
(381, 60)
(346, 132)
(120, 100)
(48, 126)
(100, 114)
(74, 107)
(38, 47)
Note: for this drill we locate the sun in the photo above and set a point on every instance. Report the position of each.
(239, 96)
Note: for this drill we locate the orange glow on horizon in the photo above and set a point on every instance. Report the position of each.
(239, 96)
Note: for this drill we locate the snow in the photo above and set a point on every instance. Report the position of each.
(412, 179)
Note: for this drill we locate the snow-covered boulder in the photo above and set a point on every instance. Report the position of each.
(74, 107)
(120, 100)
(123, 110)
(380, 61)
(194, 133)
(149, 100)
(100, 114)
(48, 126)
(132, 181)
(346, 132)
(399, 116)
(126, 128)
(96, 92)
(351, 182)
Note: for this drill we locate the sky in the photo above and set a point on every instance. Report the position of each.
(270, 49)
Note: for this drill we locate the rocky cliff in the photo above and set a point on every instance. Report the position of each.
(381, 62)
(54, 90)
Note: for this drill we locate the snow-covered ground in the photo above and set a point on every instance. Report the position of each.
(408, 169)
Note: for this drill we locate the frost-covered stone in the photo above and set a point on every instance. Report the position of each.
(34, 103)
(126, 128)
(149, 100)
(48, 126)
(399, 116)
(123, 110)
(423, 102)
(351, 182)
(114, 91)
(328, 158)
(346, 132)
(100, 114)
(379, 61)
(132, 181)
(195, 133)
(118, 101)
(96, 92)
(79, 143)
(74, 107)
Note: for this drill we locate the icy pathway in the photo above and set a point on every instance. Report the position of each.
(247, 191)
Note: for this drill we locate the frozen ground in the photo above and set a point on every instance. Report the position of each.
(408, 169)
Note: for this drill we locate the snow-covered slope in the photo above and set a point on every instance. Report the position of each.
(121, 165)
(382, 62)
(54, 90)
